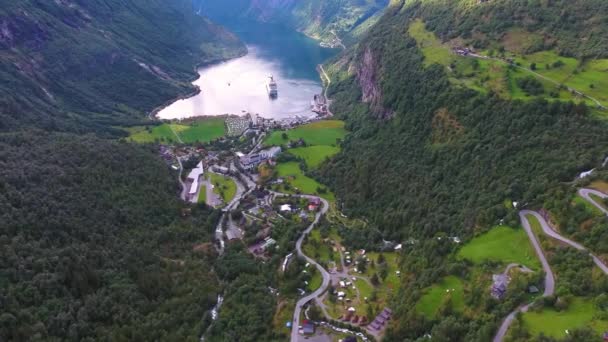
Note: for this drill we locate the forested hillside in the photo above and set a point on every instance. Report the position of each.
(429, 157)
(462, 152)
(81, 65)
(320, 19)
(94, 246)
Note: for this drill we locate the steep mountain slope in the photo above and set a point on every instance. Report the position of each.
(93, 246)
(431, 155)
(320, 19)
(75, 64)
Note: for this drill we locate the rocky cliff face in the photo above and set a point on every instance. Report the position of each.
(368, 78)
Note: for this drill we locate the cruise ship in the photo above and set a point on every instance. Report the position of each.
(271, 87)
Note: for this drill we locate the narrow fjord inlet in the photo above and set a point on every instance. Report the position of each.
(304, 170)
(239, 85)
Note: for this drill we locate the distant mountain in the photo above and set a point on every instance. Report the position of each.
(321, 19)
(80, 64)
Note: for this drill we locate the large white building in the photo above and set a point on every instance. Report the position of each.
(194, 176)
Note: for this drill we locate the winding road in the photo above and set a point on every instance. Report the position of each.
(326, 88)
(326, 277)
(549, 277)
(586, 194)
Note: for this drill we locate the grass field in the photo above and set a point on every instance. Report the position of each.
(315, 281)
(432, 48)
(483, 75)
(202, 195)
(203, 130)
(579, 314)
(450, 287)
(162, 133)
(600, 186)
(224, 186)
(324, 132)
(599, 201)
(578, 200)
(294, 176)
(314, 155)
(502, 244)
(320, 250)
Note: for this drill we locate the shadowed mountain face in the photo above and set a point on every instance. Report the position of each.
(317, 18)
(75, 64)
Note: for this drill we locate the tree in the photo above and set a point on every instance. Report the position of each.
(374, 280)
(284, 136)
(533, 66)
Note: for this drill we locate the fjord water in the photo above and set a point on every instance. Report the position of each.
(239, 85)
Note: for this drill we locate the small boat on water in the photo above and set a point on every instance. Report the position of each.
(271, 87)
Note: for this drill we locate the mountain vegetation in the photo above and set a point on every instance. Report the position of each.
(86, 65)
(428, 157)
(322, 19)
(95, 246)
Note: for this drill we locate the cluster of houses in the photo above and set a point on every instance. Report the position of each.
(249, 162)
(462, 51)
(350, 316)
(380, 322)
(237, 125)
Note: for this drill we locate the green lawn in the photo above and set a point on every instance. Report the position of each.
(315, 281)
(599, 201)
(535, 225)
(578, 200)
(432, 48)
(223, 186)
(450, 287)
(579, 314)
(314, 155)
(150, 134)
(203, 130)
(482, 75)
(202, 195)
(294, 176)
(502, 244)
(324, 132)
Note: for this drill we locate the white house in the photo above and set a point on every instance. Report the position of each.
(194, 176)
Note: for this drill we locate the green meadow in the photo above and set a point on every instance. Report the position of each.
(314, 155)
(223, 186)
(579, 314)
(450, 288)
(502, 244)
(204, 130)
(295, 177)
(589, 77)
(325, 132)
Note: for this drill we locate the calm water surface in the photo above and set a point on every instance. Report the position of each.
(239, 85)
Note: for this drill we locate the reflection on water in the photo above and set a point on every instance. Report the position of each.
(239, 85)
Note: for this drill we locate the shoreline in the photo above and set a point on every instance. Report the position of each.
(153, 114)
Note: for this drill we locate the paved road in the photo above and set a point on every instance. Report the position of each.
(586, 194)
(325, 91)
(598, 103)
(181, 182)
(548, 230)
(326, 277)
(549, 278)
